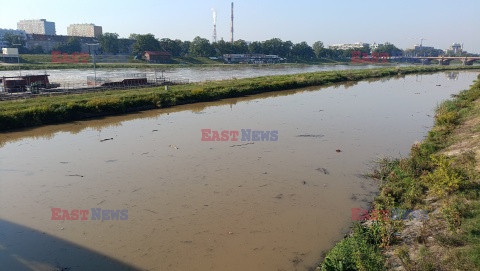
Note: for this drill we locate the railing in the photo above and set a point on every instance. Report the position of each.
(85, 88)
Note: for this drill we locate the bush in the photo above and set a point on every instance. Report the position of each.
(444, 179)
(360, 251)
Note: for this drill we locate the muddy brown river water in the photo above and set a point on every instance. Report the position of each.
(203, 205)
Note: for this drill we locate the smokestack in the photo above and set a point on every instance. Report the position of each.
(214, 25)
(231, 29)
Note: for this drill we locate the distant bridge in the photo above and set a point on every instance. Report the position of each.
(445, 60)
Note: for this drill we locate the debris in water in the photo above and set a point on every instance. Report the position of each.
(323, 170)
(308, 135)
(174, 147)
(150, 211)
(106, 139)
(243, 144)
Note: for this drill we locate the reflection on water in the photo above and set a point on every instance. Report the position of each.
(270, 205)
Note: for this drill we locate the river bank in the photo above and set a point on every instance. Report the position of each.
(42, 62)
(440, 179)
(63, 108)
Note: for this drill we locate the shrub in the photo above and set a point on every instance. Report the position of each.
(360, 251)
(444, 179)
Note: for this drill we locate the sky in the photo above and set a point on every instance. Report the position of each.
(402, 23)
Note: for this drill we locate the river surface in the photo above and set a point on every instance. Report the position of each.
(209, 205)
(77, 78)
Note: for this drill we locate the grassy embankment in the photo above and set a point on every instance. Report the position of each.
(63, 108)
(441, 176)
(44, 61)
(41, 62)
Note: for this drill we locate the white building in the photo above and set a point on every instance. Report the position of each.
(3, 42)
(456, 48)
(41, 26)
(347, 46)
(84, 30)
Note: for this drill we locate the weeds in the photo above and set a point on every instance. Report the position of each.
(405, 183)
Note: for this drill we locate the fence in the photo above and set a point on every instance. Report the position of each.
(67, 88)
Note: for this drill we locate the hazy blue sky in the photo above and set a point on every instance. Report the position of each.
(401, 22)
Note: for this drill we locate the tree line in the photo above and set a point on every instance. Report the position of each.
(200, 47)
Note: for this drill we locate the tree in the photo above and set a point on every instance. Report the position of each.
(71, 46)
(255, 47)
(37, 50)
(185, 45)
(302, 50)
(144, 43)
(133, 36)
(240, 47)
(172, 46)
(389, 49)
(109, 43)
(16, 39)
(318, 49)
(222, 47)
(276, 46)
(201, 47)
(125, 46)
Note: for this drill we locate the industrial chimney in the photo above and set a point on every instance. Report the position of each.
(214, 25)
(231, 28)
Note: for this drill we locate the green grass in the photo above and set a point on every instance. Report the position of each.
(359, 251)
(44, 61)
(407, 182)
(63, 108)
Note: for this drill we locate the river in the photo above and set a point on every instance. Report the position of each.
(78, 78)
(209, 205)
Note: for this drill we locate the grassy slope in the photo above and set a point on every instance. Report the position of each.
(44, 61)
(447, 186)
(43, 110)
(31, 62)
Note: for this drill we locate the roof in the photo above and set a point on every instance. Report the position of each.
(157, 53)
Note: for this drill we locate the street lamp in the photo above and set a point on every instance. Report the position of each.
(94, 68)
(18, 59)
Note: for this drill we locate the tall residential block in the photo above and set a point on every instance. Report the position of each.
(41, 26)
(84, 30)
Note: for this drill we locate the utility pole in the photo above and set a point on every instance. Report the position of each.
(94, 68)
(18, 59)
